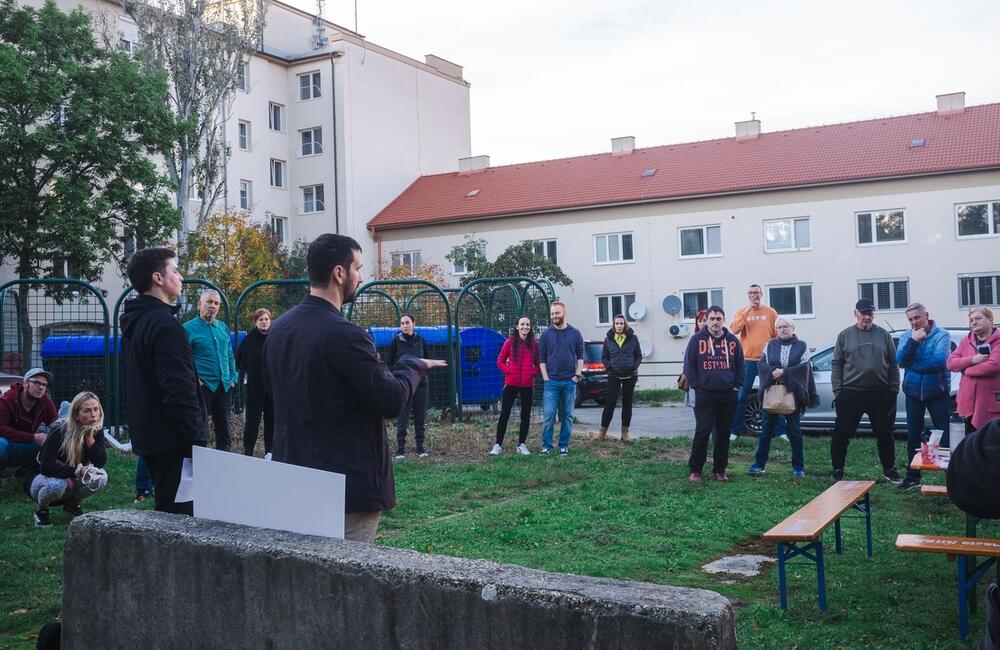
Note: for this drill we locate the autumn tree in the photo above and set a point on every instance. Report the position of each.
(518, 260)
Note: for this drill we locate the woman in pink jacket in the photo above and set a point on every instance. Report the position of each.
(977, 357)
(518, 361)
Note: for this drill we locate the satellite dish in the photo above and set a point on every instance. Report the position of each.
(672, 304)
(637, 311)
(646, 347)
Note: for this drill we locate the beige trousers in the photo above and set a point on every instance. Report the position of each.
(361, 526)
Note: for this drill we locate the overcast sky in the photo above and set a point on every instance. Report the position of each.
(556, 78)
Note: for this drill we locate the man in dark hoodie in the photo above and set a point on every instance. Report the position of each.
(166, 415)
(713, 366)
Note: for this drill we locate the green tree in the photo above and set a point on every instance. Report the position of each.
(79, 125)
(517, 260)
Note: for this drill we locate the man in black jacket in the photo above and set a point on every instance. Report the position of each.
(166, 415)
(331, 393)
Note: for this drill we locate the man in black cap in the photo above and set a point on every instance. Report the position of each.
(865, 380)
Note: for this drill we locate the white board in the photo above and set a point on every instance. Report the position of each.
(267, 494)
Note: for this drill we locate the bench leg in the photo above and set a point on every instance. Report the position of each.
(971, 524)
(782, 593)
(821, 575)
(968, 575)
(836, 534)
(868, 522)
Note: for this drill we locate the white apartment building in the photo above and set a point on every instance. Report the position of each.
(897, 209)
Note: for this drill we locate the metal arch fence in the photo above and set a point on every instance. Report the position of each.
(188, 309)
(61, 324)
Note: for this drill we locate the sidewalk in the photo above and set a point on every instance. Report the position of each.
(668, 421)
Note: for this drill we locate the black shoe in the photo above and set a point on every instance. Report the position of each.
(892, 476)
(909, 484)
(421, 452)
(42, 519)
(837, 475)
(73, 511)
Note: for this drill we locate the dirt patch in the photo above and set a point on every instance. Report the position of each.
(754, 546)
(673, 455)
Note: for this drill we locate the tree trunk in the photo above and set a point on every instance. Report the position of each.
(26, 330)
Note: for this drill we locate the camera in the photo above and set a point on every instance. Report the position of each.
(984, 349)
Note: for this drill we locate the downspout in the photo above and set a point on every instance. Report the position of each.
(225, 166)
(333, 105)
(378, 252)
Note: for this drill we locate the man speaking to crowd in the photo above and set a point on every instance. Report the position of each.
(331, 393)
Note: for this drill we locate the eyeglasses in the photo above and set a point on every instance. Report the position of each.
(38, 384)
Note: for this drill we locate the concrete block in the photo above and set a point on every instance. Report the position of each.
(140, 579)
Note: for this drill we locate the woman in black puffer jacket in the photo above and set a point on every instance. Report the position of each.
(250, 364)
(621, 358)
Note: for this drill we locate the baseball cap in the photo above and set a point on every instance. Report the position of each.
(34, 372)
(864, 305)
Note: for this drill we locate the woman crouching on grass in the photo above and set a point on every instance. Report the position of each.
(68, 467)
(518, 361)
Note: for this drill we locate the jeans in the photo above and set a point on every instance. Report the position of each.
(506, 404)
(143, 481)
(794, 439)
(558, 395)
(713, 411)
(418, 406)
(851, 405)
(219, 404)
(627, 389)
(256, 407)
(17, 454)
(739, 423)
(938, 408)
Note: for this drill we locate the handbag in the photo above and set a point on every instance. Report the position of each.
(778, 400)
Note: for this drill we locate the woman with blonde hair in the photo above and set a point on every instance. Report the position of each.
(69, 466)
(977, 357)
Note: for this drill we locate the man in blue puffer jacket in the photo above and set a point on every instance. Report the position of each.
(923, 352)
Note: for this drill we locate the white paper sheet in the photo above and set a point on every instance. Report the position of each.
(185, 490)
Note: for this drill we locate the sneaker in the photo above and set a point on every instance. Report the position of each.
(141, 497)
(721, 477)
(523, 449)
(892, 476)
(267, 456)
(422, 453)
(733, 437)
(909, 484)
(545, 450)
(694, 477)
(563, 451)
(755, 471)
(73, 511)
(798, 474)
(42, 519)
(837, 475)
(400, 455)
(784, 437)
(497, 450)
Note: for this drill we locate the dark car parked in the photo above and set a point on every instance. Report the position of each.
(594, 384)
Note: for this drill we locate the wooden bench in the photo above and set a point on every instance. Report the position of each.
(963, 549)
(934, 490)
(801, 534)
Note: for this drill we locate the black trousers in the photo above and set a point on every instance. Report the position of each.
(506, 404)
(626, 387)
(218, 403)
(165, 470)
(851, 405)
(418, 407)
(258, 406)
(713, 412)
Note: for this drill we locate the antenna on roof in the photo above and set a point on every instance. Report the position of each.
(320, 39)
(753, 115)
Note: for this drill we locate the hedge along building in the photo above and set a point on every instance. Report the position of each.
(896, 209)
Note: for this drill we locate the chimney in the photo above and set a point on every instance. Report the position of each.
(623, 146)
(473, 164)
(951, 103)
(748, 129)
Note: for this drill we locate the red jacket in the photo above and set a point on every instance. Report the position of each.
(979, 391)
(17, 425)
(519, 372)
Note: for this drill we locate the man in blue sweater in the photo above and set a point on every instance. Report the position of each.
(560, 357)
(923, 353)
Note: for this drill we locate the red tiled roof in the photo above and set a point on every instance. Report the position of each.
(837, 153)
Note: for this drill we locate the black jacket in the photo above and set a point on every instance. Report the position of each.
(621, 361)
(51, 460)
(402, 345)
(974, 472)
(165, 410)
(330, 395)
(714, 364)
(250, 363)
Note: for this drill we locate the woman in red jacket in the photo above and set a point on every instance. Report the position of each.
(518, 361)
(977, 357)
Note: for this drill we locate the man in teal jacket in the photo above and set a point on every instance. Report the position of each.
(214, 363)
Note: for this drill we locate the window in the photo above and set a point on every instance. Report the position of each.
(977, 219)
(196, 187)
(312, 199)
(312, 141)
(244, 135)
(703, 241)
(881, 227)
(979, 289)
(309, 86)
(279, 226)
(241, 77)
(277, 173)
(613, 248)
(64, 267)
(409, 259)
(791, 299)
(459, 266)
(127, 46)
(609, 306)
(246, 195)
(276, 116)
(787, 235)
(547, 248)
(886, 294)
(695, 301)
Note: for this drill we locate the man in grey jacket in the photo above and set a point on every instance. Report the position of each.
(865, 381)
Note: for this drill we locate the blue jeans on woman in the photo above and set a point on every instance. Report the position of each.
(794, 432)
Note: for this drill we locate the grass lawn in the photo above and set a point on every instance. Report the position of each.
(616, 511)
